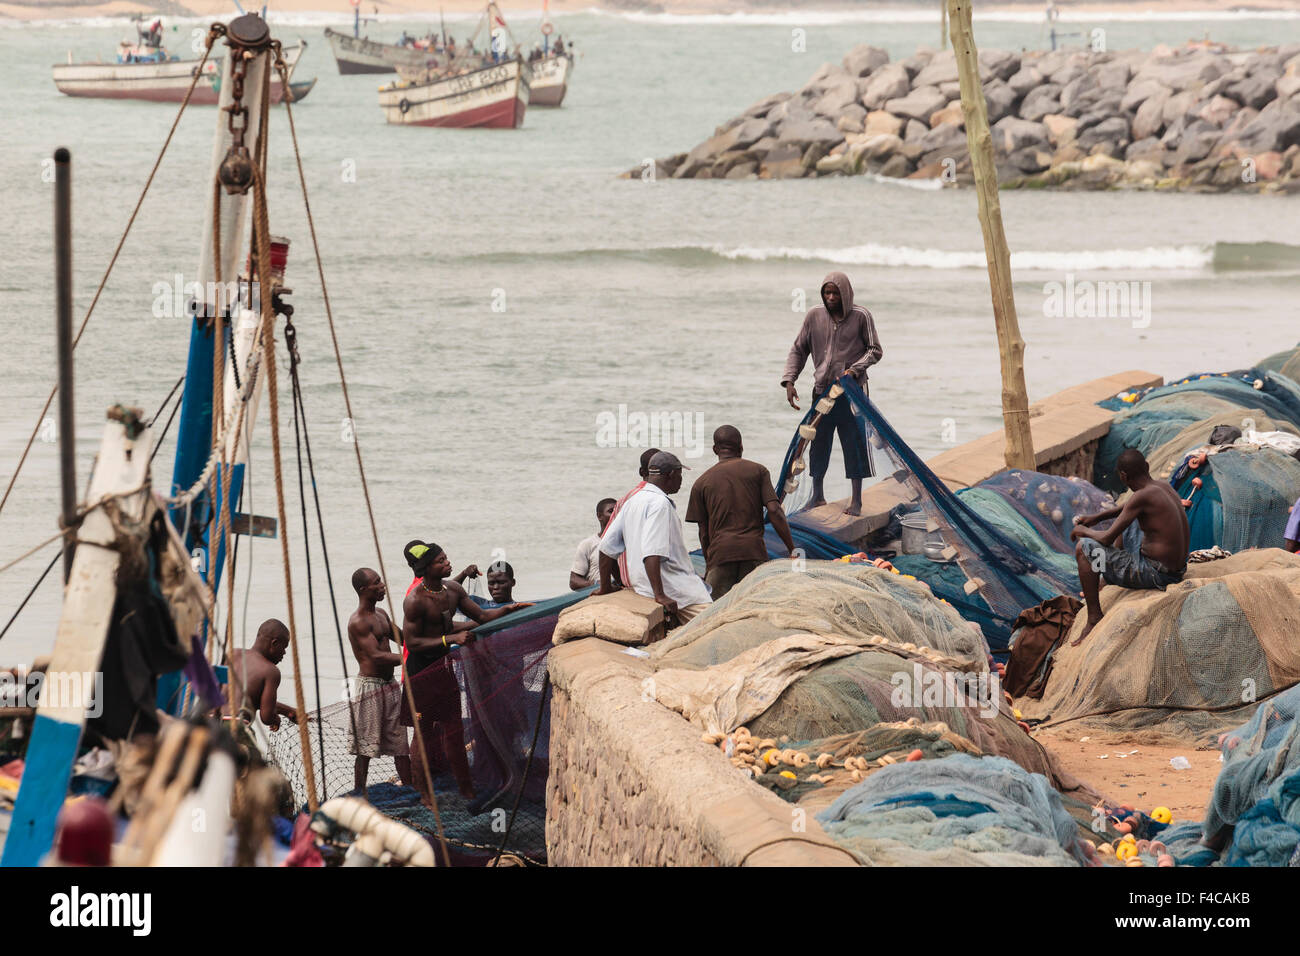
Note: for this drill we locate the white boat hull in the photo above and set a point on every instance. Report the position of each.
(493, 97)
(550, 80)
(156, 82)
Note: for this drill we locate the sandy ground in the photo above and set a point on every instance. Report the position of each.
(44, 10)
(1144, 779)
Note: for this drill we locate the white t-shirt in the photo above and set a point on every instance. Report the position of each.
(648, 525)
(586, 563)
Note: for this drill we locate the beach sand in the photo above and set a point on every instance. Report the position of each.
(415, 9)
(1145, 779)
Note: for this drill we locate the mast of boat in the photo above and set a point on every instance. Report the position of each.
(63, 323)
(223, 331)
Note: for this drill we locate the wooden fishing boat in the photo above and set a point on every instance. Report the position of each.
(550, 79)
(159, 79)
(357, 54)
(492, 97)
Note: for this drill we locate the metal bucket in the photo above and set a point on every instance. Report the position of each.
(914, 532)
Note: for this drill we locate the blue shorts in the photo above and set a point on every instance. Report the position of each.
(1128, 569)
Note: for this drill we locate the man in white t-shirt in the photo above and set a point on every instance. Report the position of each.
(648, 529)
(586, 563)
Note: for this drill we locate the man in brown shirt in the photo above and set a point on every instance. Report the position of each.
(841, 338)
(727, 503)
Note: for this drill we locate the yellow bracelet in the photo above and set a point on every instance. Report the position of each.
(444, 642)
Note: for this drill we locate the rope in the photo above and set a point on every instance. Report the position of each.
(356, 447)
(523, 784)
(325, 553)
(39, 582)
(216, 30)
(262, 237)
(799, 839)
(311, 594)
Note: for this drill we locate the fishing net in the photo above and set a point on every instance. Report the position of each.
(1005, 575)
(959, 811)
(1257, 795)
(897, 680)
(1240, 498)
(1284, 363)
(1191, 660)
(496, 686)
(1151, 419)
(820, 597)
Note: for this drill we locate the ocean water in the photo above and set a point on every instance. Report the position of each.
(503, 301)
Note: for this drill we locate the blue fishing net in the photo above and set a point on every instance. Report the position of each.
(1157, 415)
(1243, 499)
(1257, 795)
(1008, 568)
(957, 809)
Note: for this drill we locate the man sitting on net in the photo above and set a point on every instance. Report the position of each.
(1159, 554)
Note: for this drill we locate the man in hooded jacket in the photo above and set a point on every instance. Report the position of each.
(841, 338)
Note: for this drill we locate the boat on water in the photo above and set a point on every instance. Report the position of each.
(550, 63)
(358, 54)
(470, 91)
(492, 97)
(146, 71)
(550, 80)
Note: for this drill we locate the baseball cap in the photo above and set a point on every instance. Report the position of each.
(664, 463)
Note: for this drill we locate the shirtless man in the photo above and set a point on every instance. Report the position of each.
(1161, 558)
(375, 728)
(428, 632)
(256, 677)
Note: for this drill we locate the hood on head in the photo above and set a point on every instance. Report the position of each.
(846, 290)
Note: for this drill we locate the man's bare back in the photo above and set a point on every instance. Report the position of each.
(1164, 525)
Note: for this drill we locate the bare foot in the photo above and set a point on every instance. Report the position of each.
(854, 509)
(816, 503)
(1087, 629)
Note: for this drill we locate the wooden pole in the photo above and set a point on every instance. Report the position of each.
(943, 24)
(1011, 347)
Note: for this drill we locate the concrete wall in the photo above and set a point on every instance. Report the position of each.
(631, 783)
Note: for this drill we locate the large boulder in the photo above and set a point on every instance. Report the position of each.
(827, 75)
(879, 121)
(919, 105)
(1144, 149)
(1040, 101)
(951, 113)
(1269, 131)
(1150, 117)
(915, 63)
(1060, 128)
(914, 130)
(835, 98)
(1113, 131)
(1182, 72)
(864, 59)
(1178, 105)
(807, 132)
(890, 82)
(792, 110)
(1218, 110)
(766, 104)
(1000, 97)
(1197, 142)
(1024, 80)
(1012, 133)
(783, 162)
(999, 64)
(851, 118)
(942, 68)
(1139, 91)
(879, 148)
(1111, 76)
(1073, 93)
(1288, 86)
(1257, 88)
(949, 138)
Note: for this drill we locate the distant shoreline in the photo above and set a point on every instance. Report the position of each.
(36, 10)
